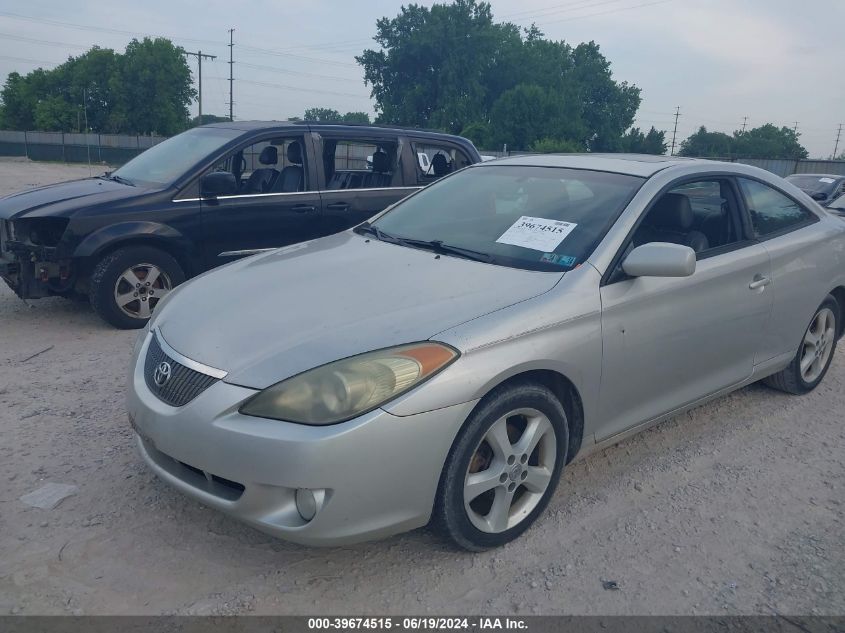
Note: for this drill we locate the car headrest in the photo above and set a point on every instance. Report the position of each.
(440, 165)
(269, 155)
(295, 153)
(381, 162)
(672, 211)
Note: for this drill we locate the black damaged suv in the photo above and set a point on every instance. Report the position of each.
(206, 197)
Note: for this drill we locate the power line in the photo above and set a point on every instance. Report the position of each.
(616, 10)
(295, 88)
(296, 72)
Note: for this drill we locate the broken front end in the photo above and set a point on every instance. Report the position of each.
(33, 260)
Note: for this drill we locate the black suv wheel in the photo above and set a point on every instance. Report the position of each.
(127, 284)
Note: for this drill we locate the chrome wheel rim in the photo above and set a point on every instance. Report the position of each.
(139, 288)
(817, 345)
(510, 470)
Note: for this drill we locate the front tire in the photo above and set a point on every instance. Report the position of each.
(503, 467)
(127, 284)
(815, 353)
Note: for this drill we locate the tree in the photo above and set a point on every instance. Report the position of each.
(451, 67)
(357, 117)
(654, 142)
(555, 146)
(765, 141)
(207, 119)
(321, 114)
(768, 141)
(146, 89)
(330, 115)
(704, 143)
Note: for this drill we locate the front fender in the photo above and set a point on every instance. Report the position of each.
(101, 239)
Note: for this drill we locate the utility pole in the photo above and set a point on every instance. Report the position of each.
(744, 122)
(675, 131)
(199, 55)
(231, 77)
(836, 147)
(795, 128)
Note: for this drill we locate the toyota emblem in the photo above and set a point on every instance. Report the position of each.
(162, 374)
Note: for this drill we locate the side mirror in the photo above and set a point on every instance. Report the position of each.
(218, 183)
(660, 259)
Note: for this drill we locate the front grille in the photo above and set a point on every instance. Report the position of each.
(183, 385)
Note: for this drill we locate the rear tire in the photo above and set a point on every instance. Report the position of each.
(503, 468)
(128, 283)
(814, 355)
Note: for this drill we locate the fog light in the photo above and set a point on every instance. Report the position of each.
(306, 503)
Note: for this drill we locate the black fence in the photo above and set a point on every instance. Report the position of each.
(67, 147)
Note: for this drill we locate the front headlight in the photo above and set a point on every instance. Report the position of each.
(347, 388)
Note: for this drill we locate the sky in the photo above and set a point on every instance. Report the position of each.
(775, 61)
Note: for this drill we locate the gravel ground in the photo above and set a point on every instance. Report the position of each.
(733, 508)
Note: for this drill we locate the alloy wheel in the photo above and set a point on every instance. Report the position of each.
(817, 345)
(139, 289)
(510, 470)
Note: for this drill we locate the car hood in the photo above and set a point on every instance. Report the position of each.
(271, 316)
(63, 198)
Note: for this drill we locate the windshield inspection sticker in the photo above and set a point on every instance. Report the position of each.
(827, 180)
(560, 260)
(538, 234)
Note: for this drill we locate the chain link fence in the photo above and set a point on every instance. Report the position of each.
(70, 147)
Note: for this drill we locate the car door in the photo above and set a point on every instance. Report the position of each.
(253, 220)
(785, 228)
(353, 188)
(668, 342)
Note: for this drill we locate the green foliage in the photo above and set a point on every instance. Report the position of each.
(357, 117)
(766, 141)
(207, 119)
(555, 146)
(704, 143)
(635, 142)
(329, 115)
(451, 67)
(144, 90)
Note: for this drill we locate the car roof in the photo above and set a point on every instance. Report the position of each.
(323, 125)
(644, 165)
(837, 176)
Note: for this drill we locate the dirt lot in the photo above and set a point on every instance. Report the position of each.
(736, 507)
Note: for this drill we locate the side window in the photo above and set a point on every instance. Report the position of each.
(771, 211)
(270, 166)
(361, 164)
(702, 215)
(435, 161)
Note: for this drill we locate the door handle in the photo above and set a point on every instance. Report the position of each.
(760, 281)
(303, 208)
(338, 206)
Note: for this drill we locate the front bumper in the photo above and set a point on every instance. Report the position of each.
(379, 472)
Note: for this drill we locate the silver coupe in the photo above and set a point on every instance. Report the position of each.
(444, 361)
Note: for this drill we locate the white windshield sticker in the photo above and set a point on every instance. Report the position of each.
(538, 234)
(827, 180)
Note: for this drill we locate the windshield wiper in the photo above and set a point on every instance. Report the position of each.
(376, 232)
(120, 179)
(436, 246)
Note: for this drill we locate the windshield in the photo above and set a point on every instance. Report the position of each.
(162, 164)
(537, 218)
(838, 204)
(814, 184)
